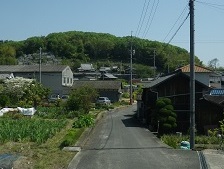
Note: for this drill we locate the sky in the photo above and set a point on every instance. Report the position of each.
(160, 20)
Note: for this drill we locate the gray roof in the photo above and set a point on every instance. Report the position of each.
(157, 81)
(217, 99)
(86, 66)
(110, 76)
(163, 79)
(98, 84)
(31, 68)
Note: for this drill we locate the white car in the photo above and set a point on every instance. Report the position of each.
(103, 100)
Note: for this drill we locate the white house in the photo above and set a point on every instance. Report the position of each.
(204, 75)
(59, 78)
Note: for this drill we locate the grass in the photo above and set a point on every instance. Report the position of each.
(45, 156)
(201, 142)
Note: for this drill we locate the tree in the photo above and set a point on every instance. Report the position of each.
(34, 93)
(24, 92)
(7, 55)
(213, 63)
(164, 115)
(81, 99)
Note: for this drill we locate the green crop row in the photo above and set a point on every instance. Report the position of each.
(32, 130)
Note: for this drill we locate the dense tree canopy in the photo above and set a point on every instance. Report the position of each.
(88, 46)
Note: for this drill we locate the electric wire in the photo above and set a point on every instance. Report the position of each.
(149, 22)
(179, 28)
(140, 20)
(181, 16)
(207, 3)
(217, 6)
(145, 12)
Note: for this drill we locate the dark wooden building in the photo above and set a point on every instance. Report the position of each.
(175, 86)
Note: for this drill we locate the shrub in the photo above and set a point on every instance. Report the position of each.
(164, 113)
(84, 121)
(126, 95)
(4, 100)
(81, 98)
(174, 140)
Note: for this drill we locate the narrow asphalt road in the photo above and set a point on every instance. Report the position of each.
(119, 142)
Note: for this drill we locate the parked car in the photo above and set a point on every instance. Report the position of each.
(64, 97)
(103, 100)
(53, 98)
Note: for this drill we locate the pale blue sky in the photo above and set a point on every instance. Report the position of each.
(21, 19)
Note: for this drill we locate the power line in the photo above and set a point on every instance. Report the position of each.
(148, 25)
(207, 3)
(179, 28)
(144, 10)
(215, 41)
(217, 6)
(140, 20)
(181, 15)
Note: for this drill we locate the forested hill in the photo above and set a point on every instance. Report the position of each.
(83, 47)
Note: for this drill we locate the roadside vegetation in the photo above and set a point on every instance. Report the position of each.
(213, 140)
(40, 138)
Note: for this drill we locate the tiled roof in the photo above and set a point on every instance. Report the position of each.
(98, 84)
(31, 68)
(197, 68)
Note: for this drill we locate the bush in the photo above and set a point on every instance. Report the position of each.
(4, 100)
(84, 121)
(81, 98)
(164, 113)
(126, 95)
(173, 140)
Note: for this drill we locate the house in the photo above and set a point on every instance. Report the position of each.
(107, 76)
(86, 68)
(110, 89)
(105, 69)
(204, 75)
(211, 110)
(59, 78)
(175, 86)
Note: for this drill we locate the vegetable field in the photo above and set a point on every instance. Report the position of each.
(29, 130)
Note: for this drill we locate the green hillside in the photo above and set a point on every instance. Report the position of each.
(75, 47)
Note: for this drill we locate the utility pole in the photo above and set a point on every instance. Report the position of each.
(131, 52)
(154, 62)
(40, 65)
(192, 77)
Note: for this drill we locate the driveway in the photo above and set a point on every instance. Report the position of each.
(118, 141)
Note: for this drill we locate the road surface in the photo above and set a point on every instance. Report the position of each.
(120, 142)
